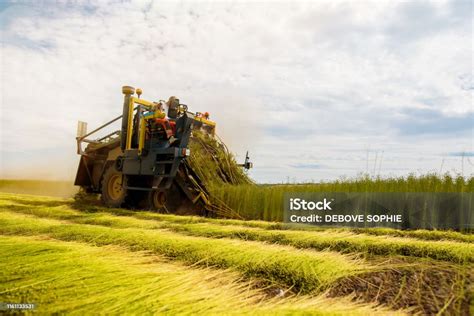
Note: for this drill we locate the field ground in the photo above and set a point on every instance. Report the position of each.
(70, 257)
(64, 189)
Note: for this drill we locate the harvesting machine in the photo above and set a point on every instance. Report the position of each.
(145, 163)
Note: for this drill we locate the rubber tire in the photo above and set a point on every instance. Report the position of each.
(105, 197)
(149, 201)
(174, 199)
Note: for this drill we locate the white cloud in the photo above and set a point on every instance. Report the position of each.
(323, 79)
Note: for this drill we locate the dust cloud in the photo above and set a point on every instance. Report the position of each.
(238, 118)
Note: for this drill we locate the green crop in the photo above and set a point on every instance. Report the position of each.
(30, 200)
(229, 185)
(79, 258)
(265, 202)
(78, 279)
(340, 240)
(304, 270)
(213, 163)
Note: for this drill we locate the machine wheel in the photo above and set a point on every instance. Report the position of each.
(174, 199)
(169, 201)
(155, 200)
(113, 192)
(178, 203)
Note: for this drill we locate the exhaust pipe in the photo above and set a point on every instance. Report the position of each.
(128, 92)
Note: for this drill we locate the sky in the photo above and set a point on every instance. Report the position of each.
(315, 91)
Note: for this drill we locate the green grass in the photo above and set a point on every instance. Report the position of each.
(77, 279)
(306, 271)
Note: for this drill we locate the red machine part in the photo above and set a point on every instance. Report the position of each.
(168, 126)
